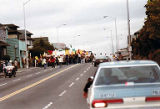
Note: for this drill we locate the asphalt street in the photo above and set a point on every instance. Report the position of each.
(52, 88)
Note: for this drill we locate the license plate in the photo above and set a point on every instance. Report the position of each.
(156, 92)
(134, 99)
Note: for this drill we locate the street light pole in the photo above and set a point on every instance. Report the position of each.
(129, 35)
(112, 43)
(115, 20)
(116, 34)
(58, 31)
(24, 15)
(74, 39)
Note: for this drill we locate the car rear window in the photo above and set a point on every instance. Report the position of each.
(134, 74)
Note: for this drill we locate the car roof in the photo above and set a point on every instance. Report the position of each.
(127, 63)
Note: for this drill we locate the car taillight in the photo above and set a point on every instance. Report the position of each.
(104, 103)
(150, 99)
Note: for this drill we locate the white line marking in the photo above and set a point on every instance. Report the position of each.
(38, 73)
(48, 105)
(71, 84)
(29, 76)
(77, 79)
(84, 71)
(17, 79)
(3, 84)
(62, 93)
(81, 74)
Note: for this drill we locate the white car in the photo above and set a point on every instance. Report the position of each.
(126, 85)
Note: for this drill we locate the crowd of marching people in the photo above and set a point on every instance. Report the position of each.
(43, 62)
(48, 61)
(53, 61)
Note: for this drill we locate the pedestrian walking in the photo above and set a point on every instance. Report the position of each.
(57, 61)
(67, 59)
(60, 59)
(52, 60)
(1, 66)
(79, 58)
(16, 64)
(44, 63)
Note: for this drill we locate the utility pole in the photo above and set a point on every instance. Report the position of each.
(24, 15)
(129, 34)
(116, 34)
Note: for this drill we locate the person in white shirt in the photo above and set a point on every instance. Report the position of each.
(44, 63)
(60, 59)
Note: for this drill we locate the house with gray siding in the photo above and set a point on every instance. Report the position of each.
(3, 43)
(17, 48)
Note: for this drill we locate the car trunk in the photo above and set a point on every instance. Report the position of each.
(111, 92)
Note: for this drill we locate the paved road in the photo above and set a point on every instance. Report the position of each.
(36, 88)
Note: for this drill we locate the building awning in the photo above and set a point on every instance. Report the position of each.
(3, 44)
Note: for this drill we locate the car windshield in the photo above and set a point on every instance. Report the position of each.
(123, 75)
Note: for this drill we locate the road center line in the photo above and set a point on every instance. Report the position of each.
(33, 85)
(71, 84)
(62, 93)
(3, 84)
(48, 105)
(77, 79)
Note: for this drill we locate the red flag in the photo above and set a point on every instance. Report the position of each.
(50, 52)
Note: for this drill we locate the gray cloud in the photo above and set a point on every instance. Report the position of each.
(81, 16)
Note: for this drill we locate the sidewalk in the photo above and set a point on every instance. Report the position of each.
(19, 71)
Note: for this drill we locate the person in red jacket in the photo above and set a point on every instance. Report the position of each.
(53, 61)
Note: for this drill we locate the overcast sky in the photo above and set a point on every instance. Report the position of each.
(85, 26)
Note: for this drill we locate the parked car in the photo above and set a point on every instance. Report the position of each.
(126, 85)
(101, 59)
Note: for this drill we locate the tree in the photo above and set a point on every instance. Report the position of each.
(148, 40)
(41, 46)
